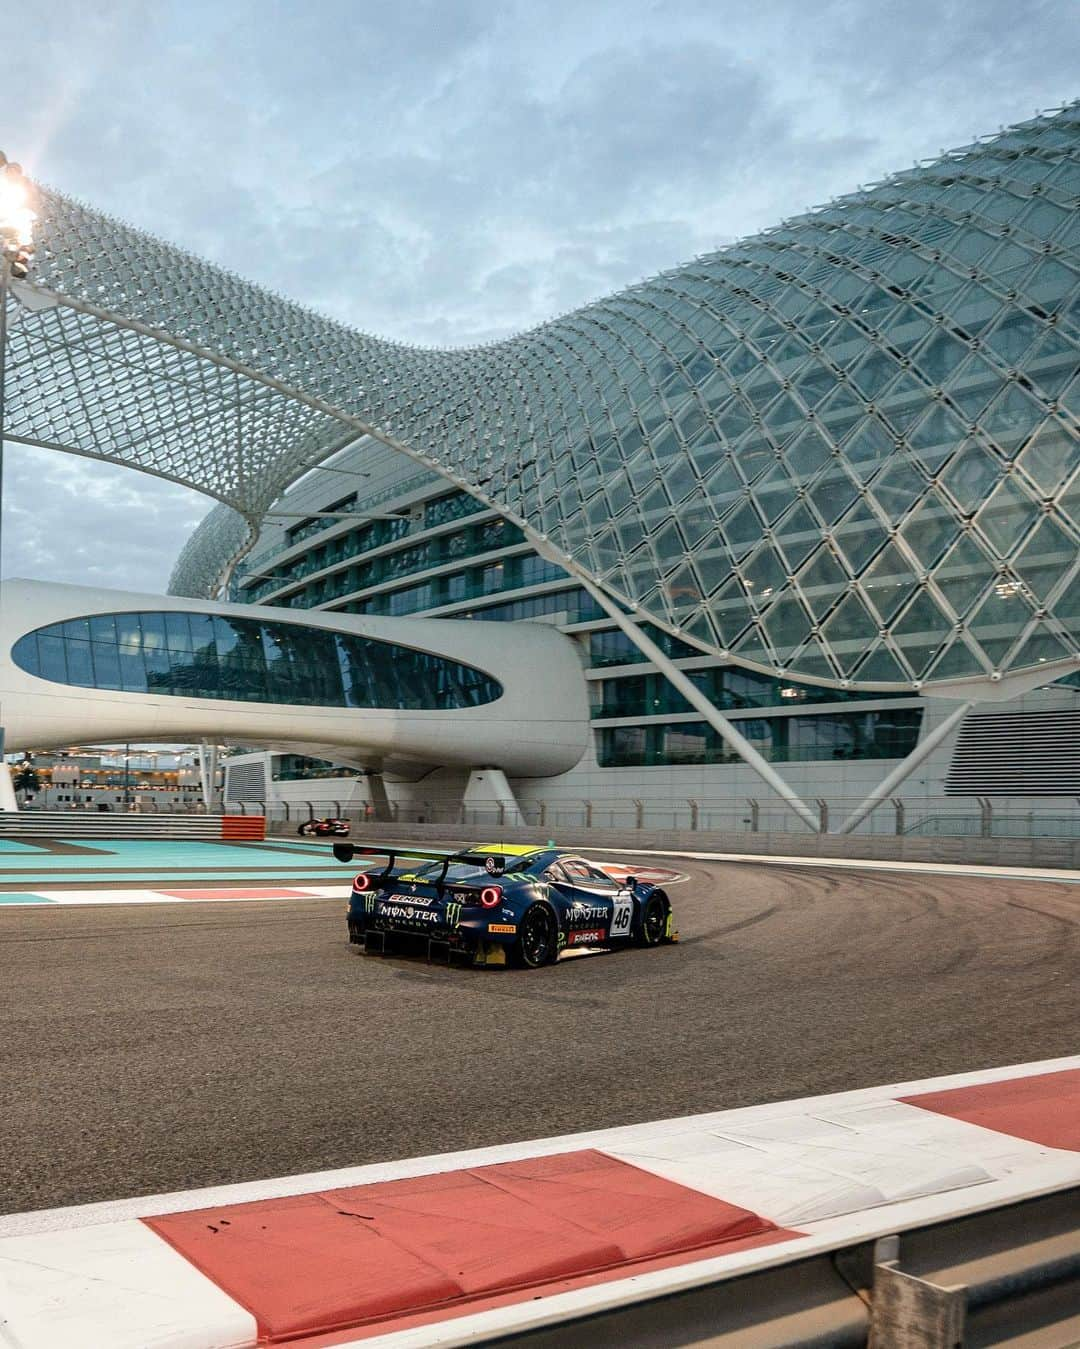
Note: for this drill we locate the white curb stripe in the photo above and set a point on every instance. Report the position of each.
(118, 1286)
(801, 1168)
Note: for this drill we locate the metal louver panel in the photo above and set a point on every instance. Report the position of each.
(1017, 754)
(246, 782)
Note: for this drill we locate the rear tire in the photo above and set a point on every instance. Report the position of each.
(652, 927)
(537, 939)
(307, 829)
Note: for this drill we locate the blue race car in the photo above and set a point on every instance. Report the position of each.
(499, 905)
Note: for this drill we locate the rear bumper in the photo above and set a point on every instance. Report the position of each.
(441, 944)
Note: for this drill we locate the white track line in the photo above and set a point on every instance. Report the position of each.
(926, 868)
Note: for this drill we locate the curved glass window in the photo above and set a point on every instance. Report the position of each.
(247, 660)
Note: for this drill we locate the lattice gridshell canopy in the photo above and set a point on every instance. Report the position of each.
(845, 449)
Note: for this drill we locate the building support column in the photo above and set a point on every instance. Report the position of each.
(8, 799)
(906, 767)
(380, 802)
(208, 762)
(488, 787)
(694, 696)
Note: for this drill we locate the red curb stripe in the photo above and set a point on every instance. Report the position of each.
(1043, 1109)
(318, 1263)
(473, 1306)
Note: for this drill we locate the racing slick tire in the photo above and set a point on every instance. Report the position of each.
(537, 941)
(651, 928)
(307, 829)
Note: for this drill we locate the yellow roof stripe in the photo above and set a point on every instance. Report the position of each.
(507, 849)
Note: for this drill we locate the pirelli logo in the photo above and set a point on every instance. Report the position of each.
(509, 929)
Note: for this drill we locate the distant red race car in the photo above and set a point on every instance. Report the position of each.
(328, 828)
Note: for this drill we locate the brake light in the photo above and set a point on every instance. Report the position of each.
(362, 882)
(490, 896)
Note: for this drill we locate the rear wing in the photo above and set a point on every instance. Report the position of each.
(493, 863)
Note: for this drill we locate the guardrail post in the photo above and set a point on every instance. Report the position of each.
(693, 815)
(337, 810)
(588, 814)
(755, 814)
(823, 815)
(898, 806)
(502, 812)
(285, 806)
(262, 805)
(639, 814)
(243, 807)
(543, 814)
(986, 817)
(905, 1309)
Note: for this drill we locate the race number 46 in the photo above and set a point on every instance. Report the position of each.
(622, 909)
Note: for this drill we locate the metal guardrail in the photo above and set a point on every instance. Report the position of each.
(914, 818)
(986, 1279)
(118, 824)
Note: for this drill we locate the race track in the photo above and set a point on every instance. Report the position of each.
(171, 1046)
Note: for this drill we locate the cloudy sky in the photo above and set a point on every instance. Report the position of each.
(444, 171)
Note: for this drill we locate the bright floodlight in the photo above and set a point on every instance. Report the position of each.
(16, 217)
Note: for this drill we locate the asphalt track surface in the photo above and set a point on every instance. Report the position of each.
(154, 1048)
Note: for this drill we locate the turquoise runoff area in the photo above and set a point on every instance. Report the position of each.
(168, 863)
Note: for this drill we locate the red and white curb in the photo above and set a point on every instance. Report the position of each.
(456, 1248)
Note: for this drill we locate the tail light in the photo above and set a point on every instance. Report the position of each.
(490, 896)
(362, 882)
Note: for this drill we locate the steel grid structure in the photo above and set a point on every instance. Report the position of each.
(844, 450)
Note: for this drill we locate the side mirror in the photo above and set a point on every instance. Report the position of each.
(631, 882)
(344, 852)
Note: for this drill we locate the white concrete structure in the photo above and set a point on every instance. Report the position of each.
(381, 693)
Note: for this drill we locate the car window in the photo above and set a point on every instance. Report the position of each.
(580, 873)
(555, 874)
(457, 871)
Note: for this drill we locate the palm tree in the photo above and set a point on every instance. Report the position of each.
(25, 778)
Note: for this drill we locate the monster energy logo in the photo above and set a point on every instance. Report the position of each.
(453, 913)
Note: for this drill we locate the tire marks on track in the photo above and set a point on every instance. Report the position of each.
(184, 1048)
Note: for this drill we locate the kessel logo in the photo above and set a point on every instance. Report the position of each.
(494, 866)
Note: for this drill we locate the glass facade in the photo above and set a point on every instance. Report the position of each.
(301, 767)
(727, 687)
(196, 655)
(486, 537)
(823, 737)
(844, 450)
(611, 646)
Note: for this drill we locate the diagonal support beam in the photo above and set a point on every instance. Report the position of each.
(906, 767)
(694, 696)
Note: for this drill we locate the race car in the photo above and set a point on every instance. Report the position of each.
(499, 905)
(328, 828)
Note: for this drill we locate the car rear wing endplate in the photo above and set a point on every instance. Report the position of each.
(492, 862)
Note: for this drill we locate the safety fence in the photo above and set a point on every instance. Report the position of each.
(243, 826)
(911, 817)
